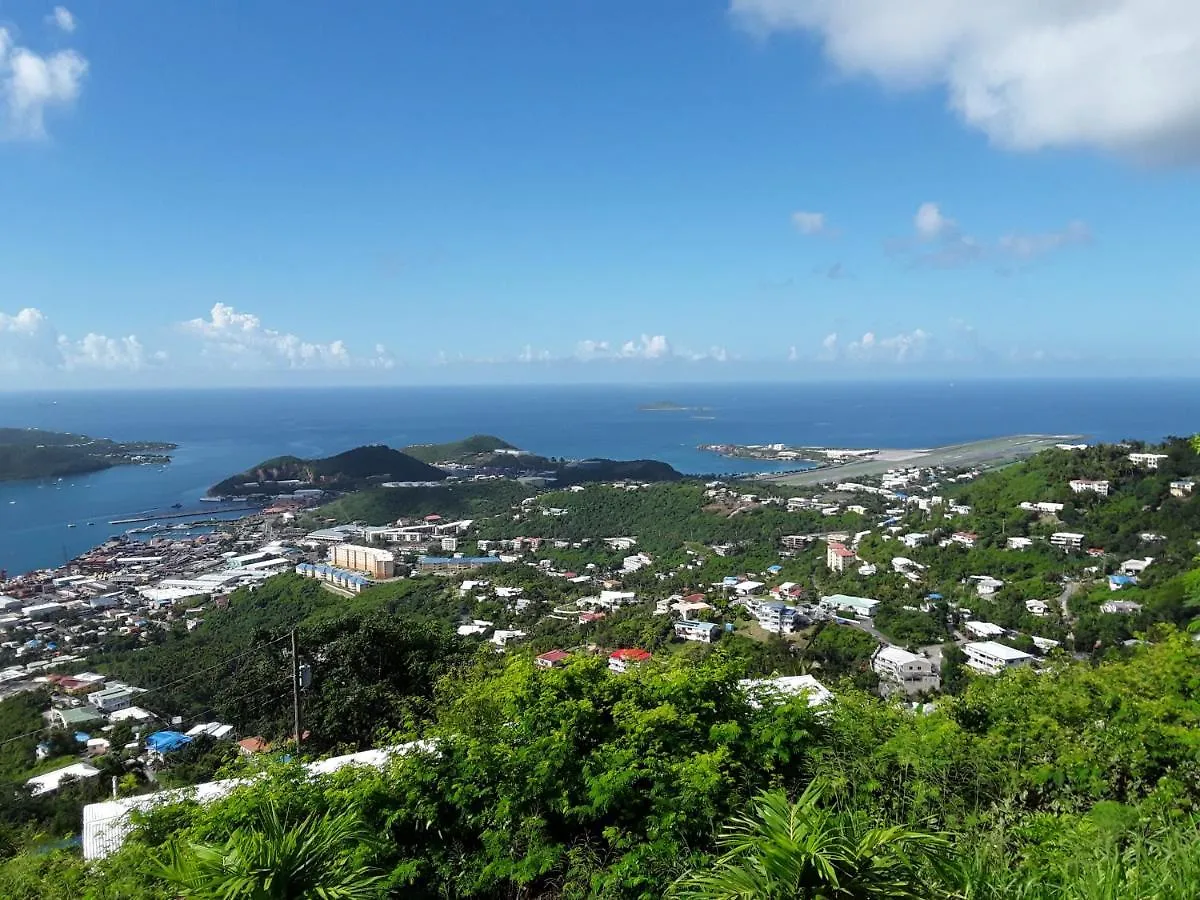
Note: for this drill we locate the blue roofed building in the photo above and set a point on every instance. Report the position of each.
(164, 742)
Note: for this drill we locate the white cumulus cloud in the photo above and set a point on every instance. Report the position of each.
(938, 241)
(30, 84)
(809, 223)
(29, 343)
(1119, 75)
(63, 19)
(899, 348)
(241, 340)
(648, 346)
(930, 223)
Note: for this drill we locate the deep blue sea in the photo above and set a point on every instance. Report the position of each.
(221, 432)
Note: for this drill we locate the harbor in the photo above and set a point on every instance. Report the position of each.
(154, 517)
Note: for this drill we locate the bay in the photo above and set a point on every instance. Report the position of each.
(221, 432)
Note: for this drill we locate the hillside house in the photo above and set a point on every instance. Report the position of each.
(910, 672)
(992, 658)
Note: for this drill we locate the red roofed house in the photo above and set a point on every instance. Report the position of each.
(252, 745)
(621, 661)
(433, 518)
(552, 660)
(587, 618)
(694, 598)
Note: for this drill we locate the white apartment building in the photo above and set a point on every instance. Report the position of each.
(1182, 488)
(1019, 543)
(992, 658)
(911, 672)
(776, 618)
(1067, 540)
(1147, 460)
(1081, 485)
(795, 541)
(1043, 507)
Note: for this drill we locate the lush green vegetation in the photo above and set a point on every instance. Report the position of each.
(468, 450)
(577, 783)
(33, 453)
(346, 471)
(381, 506)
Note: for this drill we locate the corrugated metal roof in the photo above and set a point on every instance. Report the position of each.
(107, 825)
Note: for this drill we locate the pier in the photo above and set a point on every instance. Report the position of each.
(182, 515)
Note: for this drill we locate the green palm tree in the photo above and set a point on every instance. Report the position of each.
(802, 851)
(319, 857)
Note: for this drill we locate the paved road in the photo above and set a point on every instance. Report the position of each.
(1069, 590)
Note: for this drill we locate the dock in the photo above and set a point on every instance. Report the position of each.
(182, 515)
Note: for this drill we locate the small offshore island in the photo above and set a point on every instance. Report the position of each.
(27, 453)
(669, 406)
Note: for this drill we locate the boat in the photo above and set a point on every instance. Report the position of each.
(176, 506)
(91, 523)
(72, 525)
(212, 499)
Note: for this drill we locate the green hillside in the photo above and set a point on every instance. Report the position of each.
(350, 470)
(464, 451)
(33, 453)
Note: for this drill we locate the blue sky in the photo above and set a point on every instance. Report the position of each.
(443, 190)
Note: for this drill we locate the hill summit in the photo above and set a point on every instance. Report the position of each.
(350, 470)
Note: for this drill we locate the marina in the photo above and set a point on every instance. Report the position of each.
(179, 515)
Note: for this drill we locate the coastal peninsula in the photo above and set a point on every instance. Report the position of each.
(841, 464)
(27, 453)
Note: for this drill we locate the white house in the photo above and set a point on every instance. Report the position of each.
(863, 606)
(691, 630)
(992, 658)
(984, 630)
(747, 588)
(1019, 543)
(1082, 485)
(1037, 607)
(1120, 607)
(1182, 488)
(911, 672)
(52, 781)
(986, 585)
(635, 562)
(765, 691)
(1136, 566)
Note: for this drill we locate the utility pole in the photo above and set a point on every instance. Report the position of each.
(296, 690)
